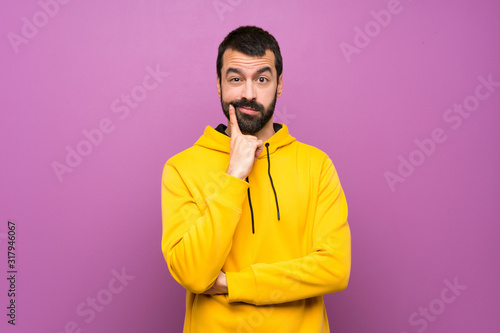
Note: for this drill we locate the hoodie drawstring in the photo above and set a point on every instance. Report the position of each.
(272, 185)
(251, 209)
(271, 179)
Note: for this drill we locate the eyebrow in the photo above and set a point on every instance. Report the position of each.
(233, 70)
(237, 71)
(265, 69)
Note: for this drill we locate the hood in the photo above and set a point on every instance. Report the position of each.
(217, 139)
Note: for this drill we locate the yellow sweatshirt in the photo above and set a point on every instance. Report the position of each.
(281, 237)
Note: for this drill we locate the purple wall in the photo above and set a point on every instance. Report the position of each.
(96, 95)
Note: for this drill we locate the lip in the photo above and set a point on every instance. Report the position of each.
(248, 111)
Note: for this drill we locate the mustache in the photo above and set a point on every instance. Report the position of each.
(245, 103)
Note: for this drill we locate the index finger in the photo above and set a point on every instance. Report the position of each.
(235, 128)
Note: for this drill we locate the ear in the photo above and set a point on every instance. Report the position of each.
(279, 89)
(218, 86)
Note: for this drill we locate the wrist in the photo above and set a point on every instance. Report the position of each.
(224, 283)
(236, 174)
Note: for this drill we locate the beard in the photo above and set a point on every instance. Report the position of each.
(250, 123)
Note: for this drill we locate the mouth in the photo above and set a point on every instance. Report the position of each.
(248, 111)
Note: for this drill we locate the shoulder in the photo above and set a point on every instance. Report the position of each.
(315, 158)
(182, 156)
(312, 152)
(183, 160)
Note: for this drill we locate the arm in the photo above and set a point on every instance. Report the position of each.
(324, 270)
(195, 244)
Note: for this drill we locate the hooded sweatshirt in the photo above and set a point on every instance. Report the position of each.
(281, 237)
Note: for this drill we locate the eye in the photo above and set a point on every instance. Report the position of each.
(234, 79)
(262, 79)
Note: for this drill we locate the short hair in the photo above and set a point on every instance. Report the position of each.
(252, 41)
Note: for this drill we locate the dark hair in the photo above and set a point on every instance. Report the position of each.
(252, 41)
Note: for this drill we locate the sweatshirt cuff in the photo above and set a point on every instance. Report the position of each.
(241, 286)
(232, 191)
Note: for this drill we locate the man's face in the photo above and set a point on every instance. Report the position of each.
(251, 85)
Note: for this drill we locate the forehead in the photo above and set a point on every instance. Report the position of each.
(235, 59)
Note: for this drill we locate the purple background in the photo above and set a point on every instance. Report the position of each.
(365, 110)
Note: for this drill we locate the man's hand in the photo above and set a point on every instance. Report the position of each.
(244, 149)
(220, 285)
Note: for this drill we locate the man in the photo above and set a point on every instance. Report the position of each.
(254, 222)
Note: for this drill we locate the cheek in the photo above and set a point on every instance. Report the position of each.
(268, 96)
(229, 94)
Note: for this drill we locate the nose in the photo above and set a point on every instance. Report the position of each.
(249, 91)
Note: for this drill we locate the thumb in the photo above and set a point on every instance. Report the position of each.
(259, 149)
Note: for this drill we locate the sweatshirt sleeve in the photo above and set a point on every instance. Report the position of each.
(195, 240)
(325, 269)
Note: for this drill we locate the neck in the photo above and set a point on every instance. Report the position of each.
(265, 133)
